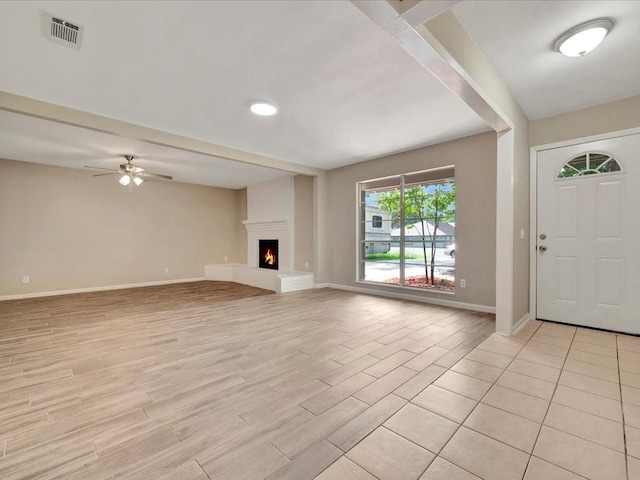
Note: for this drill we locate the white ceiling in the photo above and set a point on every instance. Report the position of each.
(347, 91)
(42, 141)
(517, 36)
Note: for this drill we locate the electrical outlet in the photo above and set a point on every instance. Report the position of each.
(166, 269)
(226, 259)
(25, 279)
(522, 234)
(463, 283)
(306, 264)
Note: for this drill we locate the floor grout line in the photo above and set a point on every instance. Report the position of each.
(95, 451)
(550, 401)
(478, 402)
(495, 383)
(203, 470)
(624, 429)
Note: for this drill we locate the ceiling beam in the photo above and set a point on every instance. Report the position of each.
(69, 116)
(417, 12)
(404, 21)
(414, 12)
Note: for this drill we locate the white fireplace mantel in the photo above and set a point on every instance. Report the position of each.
(279, 225)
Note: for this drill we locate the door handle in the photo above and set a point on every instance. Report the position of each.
(542, 248)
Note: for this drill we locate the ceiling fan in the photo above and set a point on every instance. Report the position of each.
(130, 173)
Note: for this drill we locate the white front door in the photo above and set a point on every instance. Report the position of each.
(588, 234)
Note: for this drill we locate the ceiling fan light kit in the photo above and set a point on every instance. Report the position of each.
(124, 180)
(130, 174)
(583, 38)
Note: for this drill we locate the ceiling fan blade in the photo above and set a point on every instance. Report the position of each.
(155, 175)
(128, 168)
(100, 168)
(103, 174)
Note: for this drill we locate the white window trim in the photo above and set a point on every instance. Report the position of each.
(359, 226)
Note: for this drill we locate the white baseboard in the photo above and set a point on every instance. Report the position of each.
(520, 323)
(415, 298)
(402, 296)
(98, 289)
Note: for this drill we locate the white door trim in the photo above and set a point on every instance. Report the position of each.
(533, 201)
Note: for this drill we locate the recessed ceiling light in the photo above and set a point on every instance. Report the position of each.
(583, 38)
(263, 108)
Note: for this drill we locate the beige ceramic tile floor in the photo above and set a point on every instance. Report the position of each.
(200, 381)
(553, 402)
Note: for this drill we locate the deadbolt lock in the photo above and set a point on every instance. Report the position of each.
(543, 236)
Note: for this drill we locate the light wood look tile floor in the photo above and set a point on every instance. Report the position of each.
(210, 380)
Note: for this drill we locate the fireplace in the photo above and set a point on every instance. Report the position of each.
(268, 254)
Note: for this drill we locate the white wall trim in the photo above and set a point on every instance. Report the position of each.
(521, 323)
(408, 296)
(99, 289)
(533, 232)
(533, 202)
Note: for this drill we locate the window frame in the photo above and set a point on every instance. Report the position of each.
(587, 171)
(399, 182)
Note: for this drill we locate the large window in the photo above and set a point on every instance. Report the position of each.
(407, 230)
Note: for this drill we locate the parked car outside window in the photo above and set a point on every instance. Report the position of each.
(450, 250)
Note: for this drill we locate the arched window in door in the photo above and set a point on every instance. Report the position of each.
(592, 163)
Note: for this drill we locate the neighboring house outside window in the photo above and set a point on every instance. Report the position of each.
(405, 224)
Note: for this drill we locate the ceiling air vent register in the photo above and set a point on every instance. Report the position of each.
(64, 32)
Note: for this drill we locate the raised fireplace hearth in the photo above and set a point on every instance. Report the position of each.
(268, 254)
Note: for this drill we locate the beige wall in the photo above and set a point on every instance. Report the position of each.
(475, 168)
(303, 224)
(241, 231)
(66, 229)
(609, 117)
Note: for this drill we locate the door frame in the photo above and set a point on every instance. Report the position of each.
(533, 202)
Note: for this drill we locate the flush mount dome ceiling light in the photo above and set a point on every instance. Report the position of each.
(265, 109)
(583, 38)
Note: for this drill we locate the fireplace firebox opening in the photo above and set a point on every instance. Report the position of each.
(268, 254)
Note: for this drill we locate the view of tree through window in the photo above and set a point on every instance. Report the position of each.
(408, 234)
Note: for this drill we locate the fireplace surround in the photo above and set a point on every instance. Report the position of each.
(270, 216)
